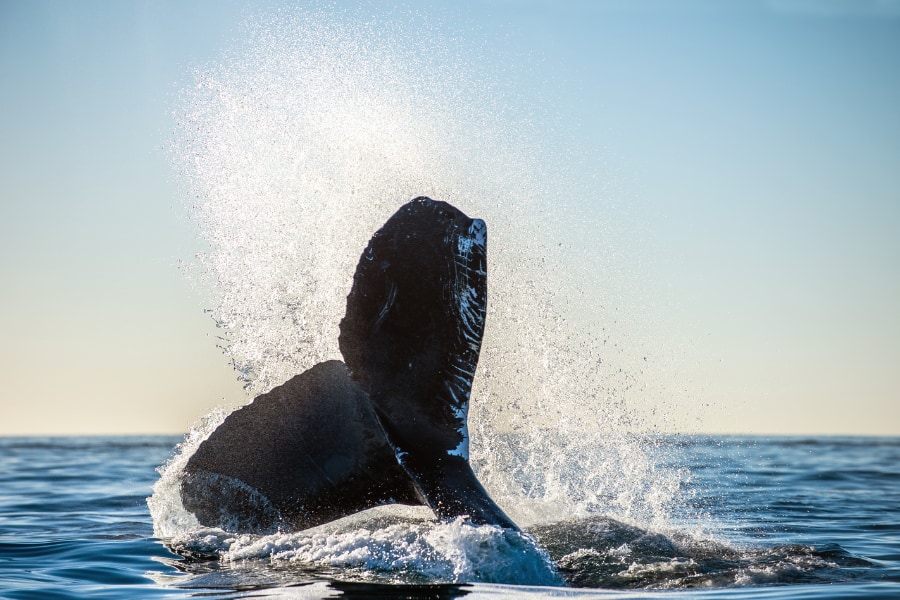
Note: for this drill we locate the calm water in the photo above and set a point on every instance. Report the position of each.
(760, 517)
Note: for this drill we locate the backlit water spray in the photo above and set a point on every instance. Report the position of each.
(308, 135)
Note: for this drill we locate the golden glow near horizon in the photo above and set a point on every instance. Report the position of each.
(744, 157)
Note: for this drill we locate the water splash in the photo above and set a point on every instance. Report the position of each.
(308, 135)
(169, 516)
(393, 544)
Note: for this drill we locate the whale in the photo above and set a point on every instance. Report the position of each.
(388, 424)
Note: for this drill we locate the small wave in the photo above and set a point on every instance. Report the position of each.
(406, 551)
(603, 552)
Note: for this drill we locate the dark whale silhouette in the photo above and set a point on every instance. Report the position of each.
(387, 427)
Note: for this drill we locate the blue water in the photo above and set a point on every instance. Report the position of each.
(761, 517)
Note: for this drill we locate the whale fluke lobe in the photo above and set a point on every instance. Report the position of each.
(415, 317)
(390, 426)
(305, 453)
(411, 337)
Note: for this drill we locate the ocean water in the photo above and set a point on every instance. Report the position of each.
(292, 149)
(784, 517)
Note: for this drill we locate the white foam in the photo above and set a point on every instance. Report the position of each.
(438, 552)
(169, 516)
(397, 550)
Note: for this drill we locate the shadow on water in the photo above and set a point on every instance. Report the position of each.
(411, 592)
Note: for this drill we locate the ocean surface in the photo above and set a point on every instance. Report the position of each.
(784, 517)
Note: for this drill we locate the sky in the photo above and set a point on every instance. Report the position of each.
(752, 151)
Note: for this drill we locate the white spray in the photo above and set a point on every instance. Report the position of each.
(303, 140)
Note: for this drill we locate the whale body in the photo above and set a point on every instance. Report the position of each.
(387, 425)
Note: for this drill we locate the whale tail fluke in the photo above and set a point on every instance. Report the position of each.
(390, 426)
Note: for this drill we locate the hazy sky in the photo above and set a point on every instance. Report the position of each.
(753, 148)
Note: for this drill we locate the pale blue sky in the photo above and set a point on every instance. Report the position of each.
(751, 151)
